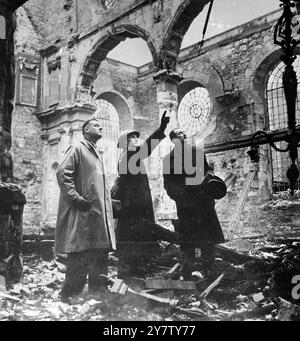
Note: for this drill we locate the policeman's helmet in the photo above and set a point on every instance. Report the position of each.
(122, 143)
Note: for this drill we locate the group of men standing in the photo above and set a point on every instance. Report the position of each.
(85, 227)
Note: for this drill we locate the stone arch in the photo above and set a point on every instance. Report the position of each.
(178, 26)
(122, 107)
(108, 43)
(185, 86)
(209, 79)
(265, 66)
(213, 84)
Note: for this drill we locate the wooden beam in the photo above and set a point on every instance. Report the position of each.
(233, 256)
(211, 287)
(173, 272)
(170, 284)
(2, 284)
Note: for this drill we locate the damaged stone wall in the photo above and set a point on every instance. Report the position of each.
(229, 67)
(116, 83)
(72, 73)
(26, 128)
(239, 110)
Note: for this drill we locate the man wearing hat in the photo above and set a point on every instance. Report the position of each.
(198, 224)
(136, 228)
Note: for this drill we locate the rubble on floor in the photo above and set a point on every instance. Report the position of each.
(253, 285)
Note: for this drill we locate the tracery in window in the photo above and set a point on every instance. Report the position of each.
(108, 117)
(275, 97)
(277, 114)
(194, 110)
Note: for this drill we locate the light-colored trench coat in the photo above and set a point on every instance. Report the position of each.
(81, 173)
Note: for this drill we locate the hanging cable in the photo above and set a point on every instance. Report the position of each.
(206, 23)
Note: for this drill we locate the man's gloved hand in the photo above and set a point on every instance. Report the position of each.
(214, 186)
(208, 176)
(82, 204)
(164, 121)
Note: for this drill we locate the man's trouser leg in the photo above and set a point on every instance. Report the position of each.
(188, 259)
(125, 266)
(98, 264)
(76, 274)
(143, 258)
(208, 256)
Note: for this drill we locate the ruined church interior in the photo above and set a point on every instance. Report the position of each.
(220, 70)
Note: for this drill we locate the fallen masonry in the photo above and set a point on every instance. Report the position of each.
(254, 285)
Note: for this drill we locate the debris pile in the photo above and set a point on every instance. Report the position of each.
(254, 285)
(286, 262)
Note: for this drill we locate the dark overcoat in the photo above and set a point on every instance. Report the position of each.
(82, 173)
(136, 220)
(197, 218)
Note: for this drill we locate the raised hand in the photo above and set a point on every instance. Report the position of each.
(164, 120)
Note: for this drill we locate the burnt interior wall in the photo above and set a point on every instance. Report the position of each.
(227, 63)
(26, 128)
(237, 64)
(147, 105)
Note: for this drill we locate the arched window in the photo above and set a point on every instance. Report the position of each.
(194, 110)
(275, 96)
(277, 114)
(108, 117)
(2, 27)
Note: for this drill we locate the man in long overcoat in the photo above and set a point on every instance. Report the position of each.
(198, 225)
(84, 229)
(136, 228)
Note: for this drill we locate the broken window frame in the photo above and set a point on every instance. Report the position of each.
(277, 120)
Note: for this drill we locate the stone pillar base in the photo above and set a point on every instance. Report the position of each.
(12, 202)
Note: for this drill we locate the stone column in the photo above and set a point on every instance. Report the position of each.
(12, 200)
(62, 127)
(167, 99)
